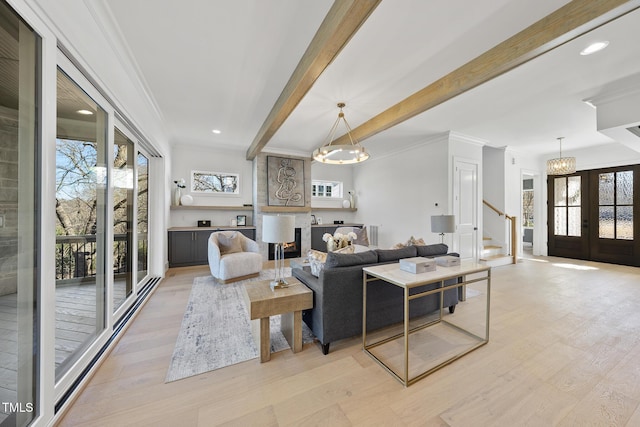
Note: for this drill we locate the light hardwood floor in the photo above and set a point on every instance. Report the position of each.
(564, 350)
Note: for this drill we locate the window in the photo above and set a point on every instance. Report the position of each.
(615, 205)
(567, 206)
(326, 189)
(527, 203)
(215, 182)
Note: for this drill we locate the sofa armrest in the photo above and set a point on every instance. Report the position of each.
(308, 279)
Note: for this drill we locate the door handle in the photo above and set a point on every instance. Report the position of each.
(475, 228)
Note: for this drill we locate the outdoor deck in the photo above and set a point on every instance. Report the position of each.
(75, 325)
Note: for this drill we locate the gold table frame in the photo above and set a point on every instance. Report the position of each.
(391, 273)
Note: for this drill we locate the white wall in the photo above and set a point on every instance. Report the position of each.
(606, 155)
(518, 165)
(186, 158)
(401, 191)
(342, 173)
(493, 190)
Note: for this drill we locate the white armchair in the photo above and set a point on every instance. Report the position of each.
(233, 256)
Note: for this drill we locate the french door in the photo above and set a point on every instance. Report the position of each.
(593, 215)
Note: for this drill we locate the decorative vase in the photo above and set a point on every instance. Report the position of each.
(352, 201)
(176, 196)
(331, 245)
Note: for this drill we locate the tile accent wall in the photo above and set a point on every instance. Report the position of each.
(260, 185)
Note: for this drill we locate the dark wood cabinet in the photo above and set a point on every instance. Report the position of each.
(190, 247)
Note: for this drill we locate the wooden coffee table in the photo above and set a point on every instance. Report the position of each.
(263, 302)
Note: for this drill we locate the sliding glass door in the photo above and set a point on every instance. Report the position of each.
(81, 213)
(143, 216)
(20, 304)
(123, 186)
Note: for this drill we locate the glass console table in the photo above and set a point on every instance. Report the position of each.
(436, 340)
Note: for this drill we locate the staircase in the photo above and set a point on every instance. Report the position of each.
(493, 255)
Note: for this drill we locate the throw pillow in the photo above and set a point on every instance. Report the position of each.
(415, 242)
(346, 250)
(316, 261)
(317, 255)
(229, 244)
(361, 236)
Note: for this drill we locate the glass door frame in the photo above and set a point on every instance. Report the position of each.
(590, 246)
(139, 281)
(569, 246)
(75, 371)
(615, 250)
(130, 300)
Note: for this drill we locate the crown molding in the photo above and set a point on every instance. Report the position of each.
(111, 31)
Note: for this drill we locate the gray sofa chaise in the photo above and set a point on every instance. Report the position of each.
(337, 293)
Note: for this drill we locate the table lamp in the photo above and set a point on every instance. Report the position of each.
(278, 229)
(443, 224)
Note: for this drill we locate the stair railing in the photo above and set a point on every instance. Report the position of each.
(512, 230)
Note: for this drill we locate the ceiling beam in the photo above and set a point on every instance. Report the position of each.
(565, 24)
(342, 21)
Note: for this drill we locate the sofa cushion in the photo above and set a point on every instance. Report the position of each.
(346, 260)
(229, 244)
(361, 236)
(432, 250)
(387, 255)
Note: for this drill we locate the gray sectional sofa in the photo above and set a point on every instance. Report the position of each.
(337, 293)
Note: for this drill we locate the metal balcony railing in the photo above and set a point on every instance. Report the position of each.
(76, 255)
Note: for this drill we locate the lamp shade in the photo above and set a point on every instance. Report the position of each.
(443, 224)
(278, 228)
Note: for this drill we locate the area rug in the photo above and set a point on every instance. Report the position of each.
(216, 330)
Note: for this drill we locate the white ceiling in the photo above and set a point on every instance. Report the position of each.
(222, 64)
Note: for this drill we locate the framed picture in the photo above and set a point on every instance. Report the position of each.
(223, 183)
(285, 181)
(242, 220)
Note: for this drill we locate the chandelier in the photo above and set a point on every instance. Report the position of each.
(561, 165)
(340, 154)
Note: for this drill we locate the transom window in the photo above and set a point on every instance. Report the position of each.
(331, 189)
(215, 182)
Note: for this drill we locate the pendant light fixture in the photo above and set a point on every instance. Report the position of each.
(340, 154)
(561, 165)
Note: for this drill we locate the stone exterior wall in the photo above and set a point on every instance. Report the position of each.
(8, 206)
(260, 198)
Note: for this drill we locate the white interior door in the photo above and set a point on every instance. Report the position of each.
(465, 208)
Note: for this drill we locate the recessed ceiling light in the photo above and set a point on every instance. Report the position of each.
(216, 131)
(594, 47)
(85, 112)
